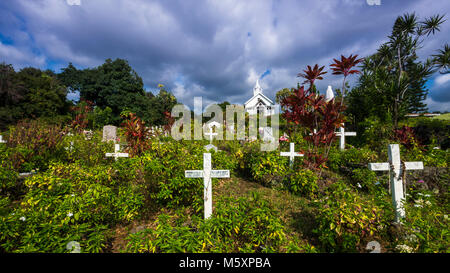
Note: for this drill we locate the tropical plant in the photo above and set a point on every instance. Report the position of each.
(136, 134)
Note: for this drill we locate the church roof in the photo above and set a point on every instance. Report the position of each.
(258, 94)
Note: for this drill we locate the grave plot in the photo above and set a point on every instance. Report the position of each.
(93, 160)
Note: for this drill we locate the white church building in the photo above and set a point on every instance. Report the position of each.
(259, 103)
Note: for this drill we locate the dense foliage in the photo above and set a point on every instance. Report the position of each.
(58, 189)
(393, 79)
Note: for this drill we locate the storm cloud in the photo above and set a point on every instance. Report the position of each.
(213, 49)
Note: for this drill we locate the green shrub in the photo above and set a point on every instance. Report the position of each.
(374, 133)
(164, 167)
(8, 176)
(345, 219)
(237, 225)
(428, 155)
(304, 182)
(69, 203)
(34, 145)
(88, 152)
(350, 158)
(268, 168)
(426, 226)
(364, 179)
(431, 131)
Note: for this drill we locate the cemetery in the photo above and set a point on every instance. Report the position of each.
(105, 178)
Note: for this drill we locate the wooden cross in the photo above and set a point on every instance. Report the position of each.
(116, 153)
(207, 173)
(292, 154)
(342, 134)
(1, 139)
(397, 169)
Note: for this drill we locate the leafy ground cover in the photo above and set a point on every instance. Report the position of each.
(145, 204)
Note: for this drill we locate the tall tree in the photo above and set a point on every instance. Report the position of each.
(114, 84)
(393, 79)
(46, 96)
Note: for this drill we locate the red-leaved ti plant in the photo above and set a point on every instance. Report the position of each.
(406, 137)
(318, 117)
(312, 74)
(345, 67)
(136, 134)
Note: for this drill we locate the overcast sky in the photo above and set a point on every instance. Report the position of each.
(215, 49)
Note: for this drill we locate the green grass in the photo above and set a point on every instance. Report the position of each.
(443, 117)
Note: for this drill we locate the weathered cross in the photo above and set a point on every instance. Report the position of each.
(397, 170)
(207, 173)
(1, 139)
(116, 153)
(292, 154)
(342, 134)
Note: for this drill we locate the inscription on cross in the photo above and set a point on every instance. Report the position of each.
(397, 169)
(207, 173)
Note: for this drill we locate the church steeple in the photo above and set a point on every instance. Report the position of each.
(257, 89)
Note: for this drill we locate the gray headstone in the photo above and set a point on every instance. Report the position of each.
(109, 133)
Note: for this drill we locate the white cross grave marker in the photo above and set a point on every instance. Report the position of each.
(211, 134)
(342, 134)
(397, 169)
(207, 174)
(1, 139)
(292, 154)
(116, 153)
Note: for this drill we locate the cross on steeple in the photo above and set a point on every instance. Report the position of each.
(257, 89)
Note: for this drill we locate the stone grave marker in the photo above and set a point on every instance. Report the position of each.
(207, 173)
(109, 133)
(397, 169)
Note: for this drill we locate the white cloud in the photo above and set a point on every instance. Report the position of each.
(442, 79)
(219, 47)
(20, 57)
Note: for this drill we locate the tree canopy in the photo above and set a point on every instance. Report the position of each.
(30, 93)
(393, 79)
(117, 86)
